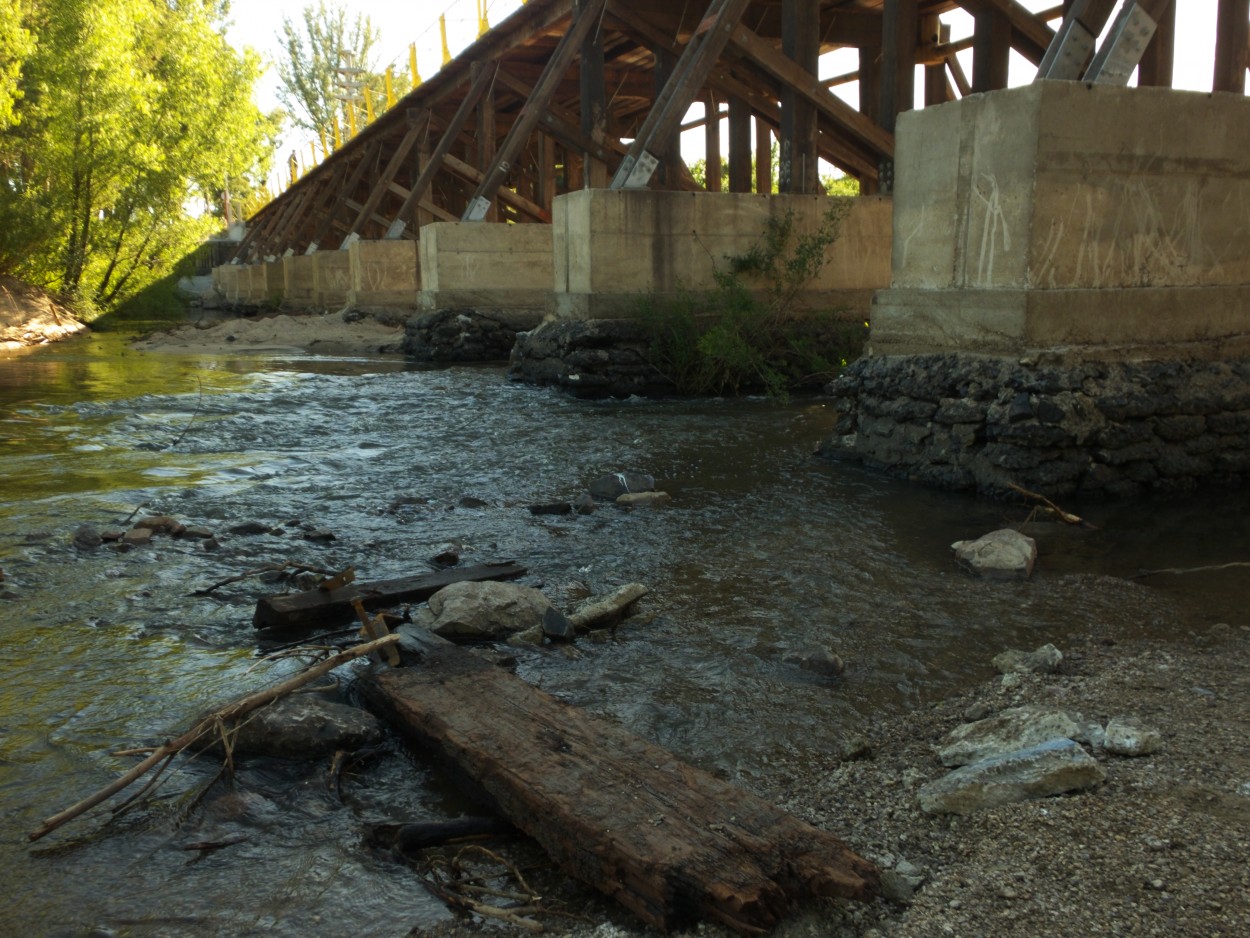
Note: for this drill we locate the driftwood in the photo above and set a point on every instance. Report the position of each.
(217, 722)
(611, 607)
(315, 608)
(409, 838)
(667, 840)
(1178, 571)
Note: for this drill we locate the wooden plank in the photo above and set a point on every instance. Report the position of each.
(711, 142)
(315, 607)
(899, 26)
(326, 225)
(474, 175)
(739, 145)
(1030, 36)
(594, 107)
(667, 840)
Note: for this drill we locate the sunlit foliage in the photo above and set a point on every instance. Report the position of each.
(132, 117)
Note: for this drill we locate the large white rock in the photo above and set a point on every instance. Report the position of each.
(1049, 769)
(1009, 731)
(484, 611)
(1128, 736)
(1004, 554)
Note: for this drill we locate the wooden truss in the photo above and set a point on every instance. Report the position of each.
(571, 94)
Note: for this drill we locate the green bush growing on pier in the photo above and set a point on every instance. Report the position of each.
(743, 334)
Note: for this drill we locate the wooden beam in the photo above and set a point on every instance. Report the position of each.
(1030, 36)
(711, 142)
(739, 145)
(486, 127)
(669, 841)
(697, 61)
(318, 607)
(1156, 66)
(594, 101)
(763, 158)
(475, 176)
(799, 172)
(477, 89)
(586, 18)
(419, 126)
(1232, 33)
(772, 62)
(900, 25)
(991, 50)
(345, 192)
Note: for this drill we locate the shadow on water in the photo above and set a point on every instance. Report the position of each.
(764, 551)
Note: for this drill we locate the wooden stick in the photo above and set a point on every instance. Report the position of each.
(1064, 516)
(1178, 570)
(204, 726)
(611, 606)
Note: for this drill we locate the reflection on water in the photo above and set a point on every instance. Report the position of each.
(763, 551)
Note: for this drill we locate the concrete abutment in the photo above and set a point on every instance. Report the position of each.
(1069, 308)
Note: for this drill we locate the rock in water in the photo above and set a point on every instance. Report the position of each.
(487, 610)
(1045, 660)
(305, 726)
(611, 486)
(1049, 769)
(1004, 554)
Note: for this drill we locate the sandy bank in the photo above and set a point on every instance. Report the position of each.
(29, 317)
(330, 334)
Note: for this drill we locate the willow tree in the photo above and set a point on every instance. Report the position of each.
(316, 48)
(132, 116)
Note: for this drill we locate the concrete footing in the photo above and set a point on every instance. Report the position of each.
(332, 279)
(486, 266)
(297, 281)
(384, 275)
(1070, 302)
(616, 249)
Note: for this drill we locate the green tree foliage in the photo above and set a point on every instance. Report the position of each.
(131, 112)
(743, 335)
(16, 44)
(309, 71)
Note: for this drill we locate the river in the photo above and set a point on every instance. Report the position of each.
(764, 550)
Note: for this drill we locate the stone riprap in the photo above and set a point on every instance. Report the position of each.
(465, 335)
(1098, 428)
(590, 358)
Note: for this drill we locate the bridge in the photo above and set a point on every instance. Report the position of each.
(573, 94)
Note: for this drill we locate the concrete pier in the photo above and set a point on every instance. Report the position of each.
(332, 279)
(1070, 304)
(615, 248)
(297, 282)
(486, 266)
(384, 275)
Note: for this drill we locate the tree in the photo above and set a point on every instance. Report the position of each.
(309, 72)
(130, 111)
(16, 44)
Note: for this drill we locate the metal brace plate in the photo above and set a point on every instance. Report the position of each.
(1074, 44)
(642, 172)
(1123, 48)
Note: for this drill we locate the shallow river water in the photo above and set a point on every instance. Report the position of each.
(764, 550)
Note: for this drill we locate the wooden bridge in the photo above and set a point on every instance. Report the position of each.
(573, 94)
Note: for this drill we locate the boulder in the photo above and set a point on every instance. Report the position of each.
(1052, 768)
(822, 661)
(643, 499)
(1008, 731)
(1004, 554)
(305, 726)
(486, 611)
(1127, 736)
(1045, 660)
(612, 485)
(87, 537)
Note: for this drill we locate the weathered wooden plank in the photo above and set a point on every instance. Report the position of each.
(664, 838)
(319, 607)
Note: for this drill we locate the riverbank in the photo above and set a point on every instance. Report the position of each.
(329, 334)
(30, 317)
(1157, 849)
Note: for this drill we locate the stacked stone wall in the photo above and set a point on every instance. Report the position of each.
(1100, 428)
